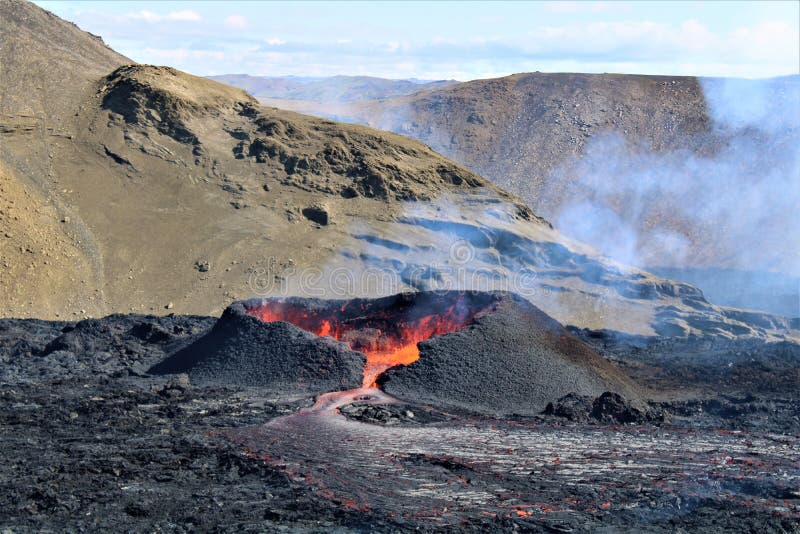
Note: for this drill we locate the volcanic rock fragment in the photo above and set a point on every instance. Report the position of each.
(243, 350)
(612, 408)
(571, 407)
(609, 408)
(317, 213)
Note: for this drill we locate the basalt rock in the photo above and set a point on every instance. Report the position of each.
(608, 408)
(571, 407)
(613, 408)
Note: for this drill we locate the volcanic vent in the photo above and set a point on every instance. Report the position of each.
(315, 346)
(386, 330)
(491, 352)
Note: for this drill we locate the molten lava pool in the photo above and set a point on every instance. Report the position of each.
(385, 330)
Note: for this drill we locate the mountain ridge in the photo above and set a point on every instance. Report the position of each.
(667, 171)
(183, 194)
(340, 88)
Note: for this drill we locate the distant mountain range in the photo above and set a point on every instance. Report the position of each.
(330, 89)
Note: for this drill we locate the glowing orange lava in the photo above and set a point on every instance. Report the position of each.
(387, 337)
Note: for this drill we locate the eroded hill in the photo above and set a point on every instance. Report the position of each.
(182, 194)
(654, 170)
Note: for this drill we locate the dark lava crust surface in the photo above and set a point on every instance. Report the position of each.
(91, 442)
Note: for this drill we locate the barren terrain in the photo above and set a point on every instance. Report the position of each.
(190, 337)
(183, 194)
(90, 442)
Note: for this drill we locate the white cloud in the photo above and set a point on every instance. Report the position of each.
(765, 41)
(580, 7)
(770, 48)
(150, 16)
(692, 47)
(186, 15)
(236, 21)
(158, 56)
(493, 20)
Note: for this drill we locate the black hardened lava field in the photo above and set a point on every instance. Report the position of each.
(440, 410)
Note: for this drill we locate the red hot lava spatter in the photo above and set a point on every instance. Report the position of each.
(387, 337)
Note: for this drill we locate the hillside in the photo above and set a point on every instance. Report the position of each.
(44, 266)
(327, 89)
(49, 259)
(655, 170)
(176, 193)
(37, 50)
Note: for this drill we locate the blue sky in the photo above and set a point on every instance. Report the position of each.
(443, 40)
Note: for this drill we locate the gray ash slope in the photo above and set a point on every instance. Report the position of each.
(514, 360)
(244, 351)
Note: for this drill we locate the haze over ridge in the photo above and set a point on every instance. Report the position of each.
(656, 171)
(179, 190)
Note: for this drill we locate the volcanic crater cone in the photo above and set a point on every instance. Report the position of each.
(243, 350)
(491, 352)
(513, 360)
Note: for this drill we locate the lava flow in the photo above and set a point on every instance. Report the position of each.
(386, 334)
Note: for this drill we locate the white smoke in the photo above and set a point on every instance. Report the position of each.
(732, 204)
